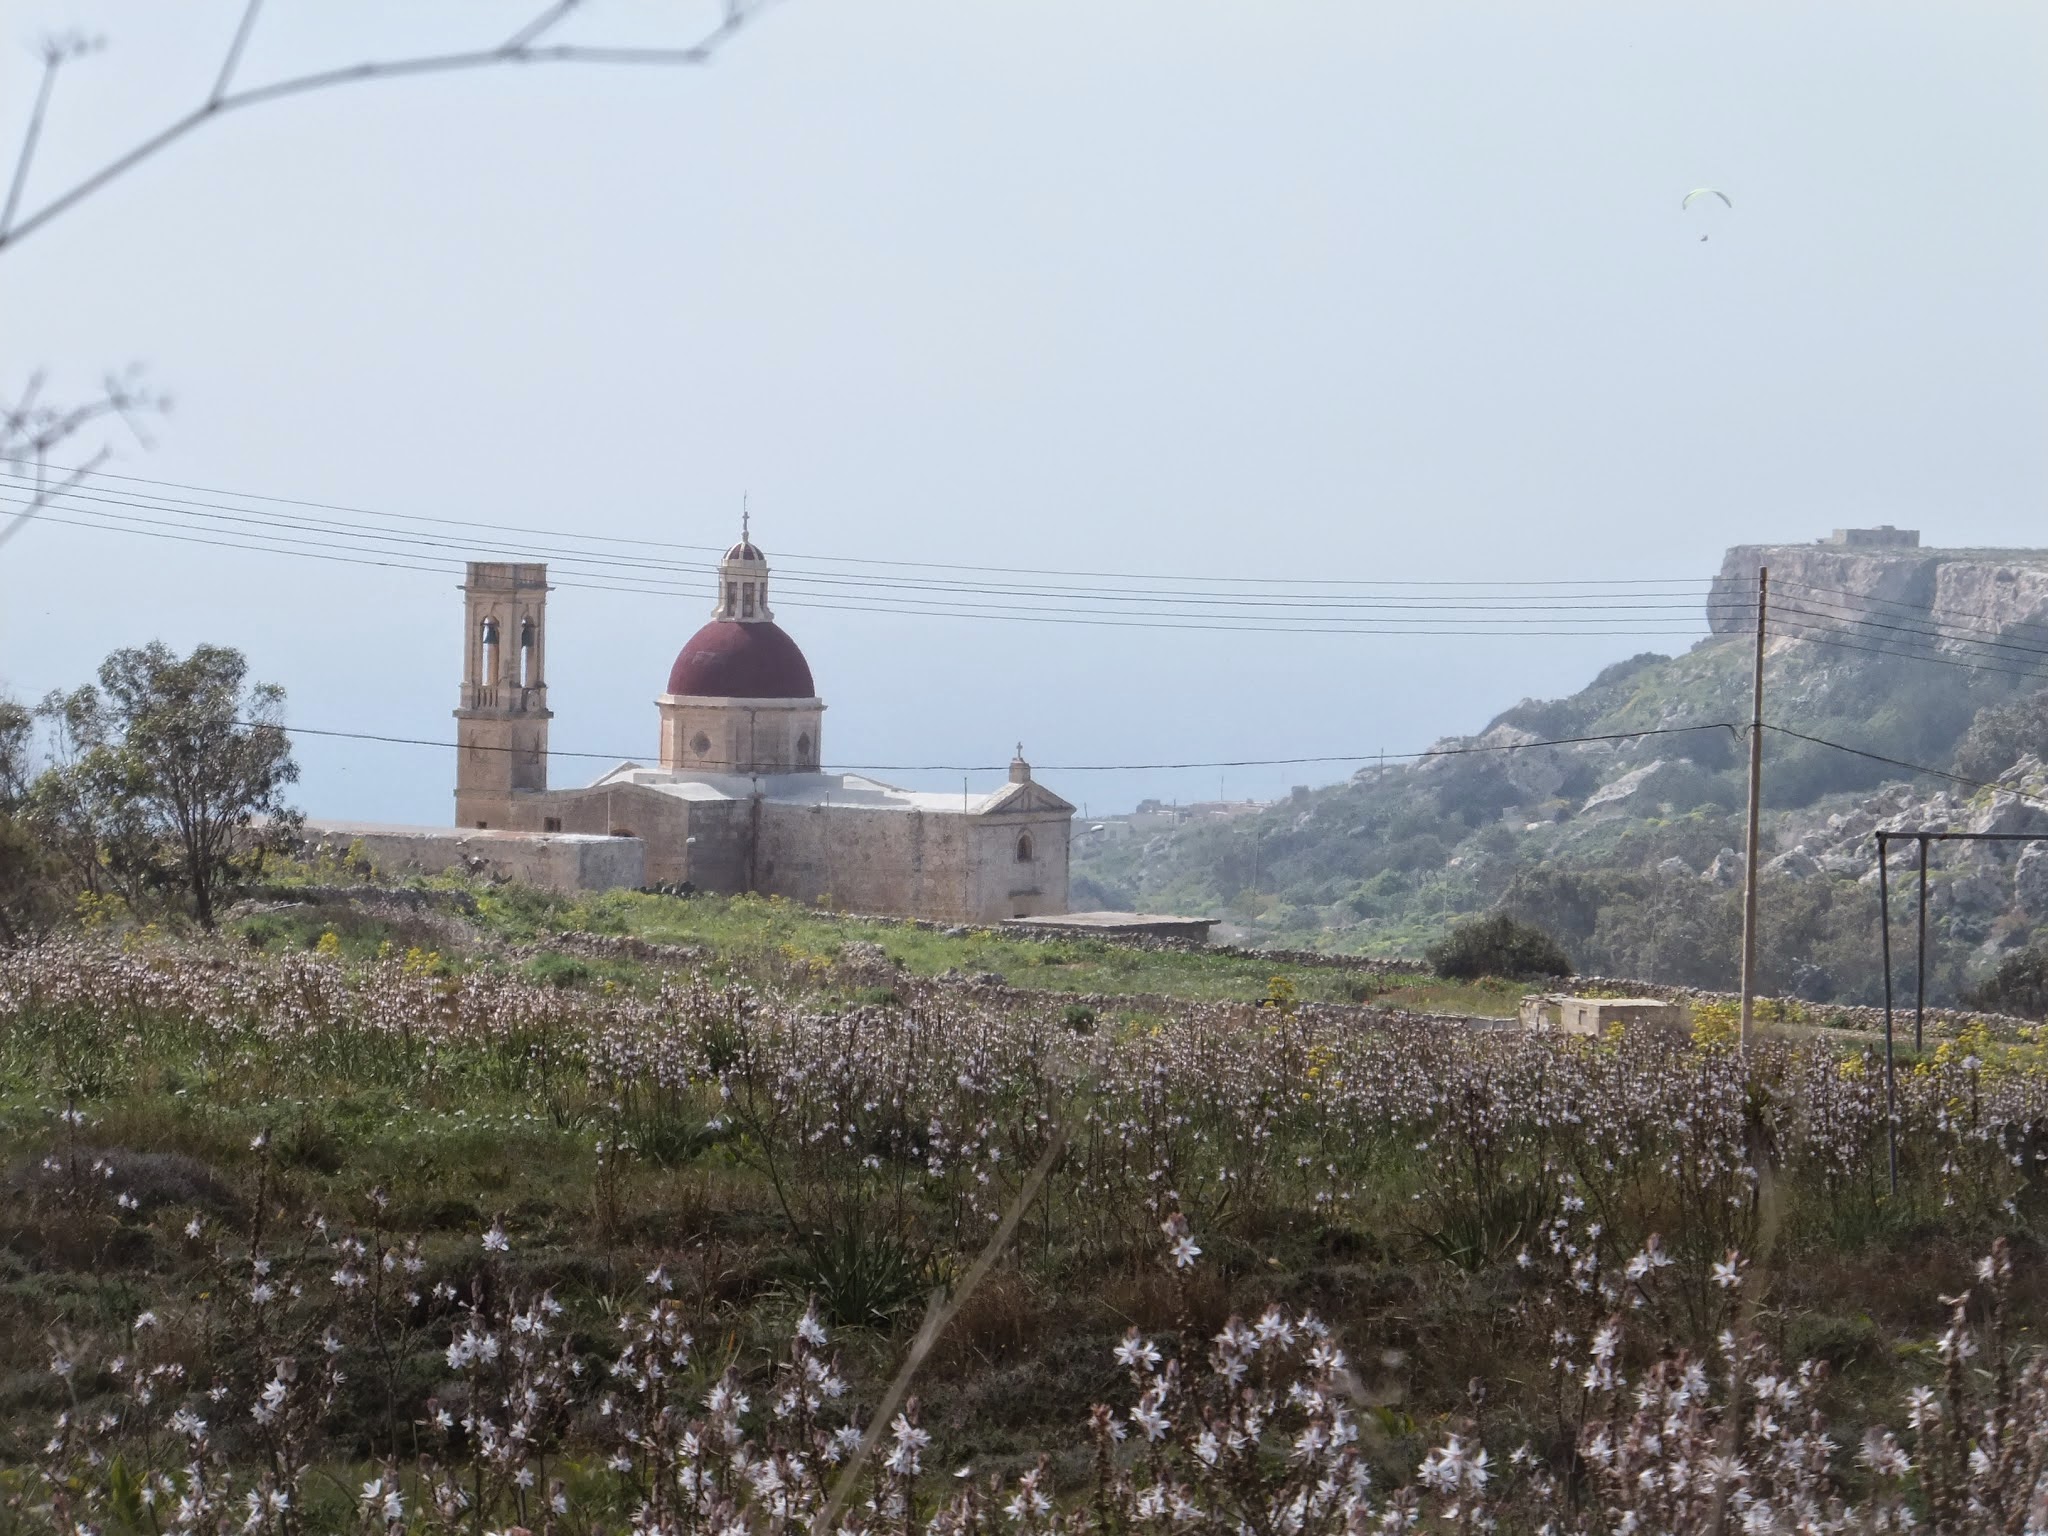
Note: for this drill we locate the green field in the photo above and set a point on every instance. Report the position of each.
(342, 1139)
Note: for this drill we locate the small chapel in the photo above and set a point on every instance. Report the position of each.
(737, 799)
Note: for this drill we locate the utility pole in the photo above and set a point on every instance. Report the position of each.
(1756, 795)
(1920, 970)
(1891, 1082)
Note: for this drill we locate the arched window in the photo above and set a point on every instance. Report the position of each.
(803, 747)
(526, 679)
(747, 600)
(1023, 847)
(732, 598)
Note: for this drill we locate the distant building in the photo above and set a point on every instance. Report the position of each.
(1596, 1015)
(1153, 814)
(737, 800)
(1883, 536)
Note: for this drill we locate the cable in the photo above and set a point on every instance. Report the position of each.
(1249, 762)
(1895, 762)
(1924, 625)
(1417, 624)
(274, 526)
(1931, 636)
(872, 560)
(1816, 635)
(1932, 611)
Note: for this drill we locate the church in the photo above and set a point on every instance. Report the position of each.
(737, 799)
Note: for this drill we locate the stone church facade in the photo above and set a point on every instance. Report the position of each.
(737, 799)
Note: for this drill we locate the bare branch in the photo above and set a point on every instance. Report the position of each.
(513, 51)
(45, 493)
(55, 51)
(29, 431)
(545, 22)
(227, 68)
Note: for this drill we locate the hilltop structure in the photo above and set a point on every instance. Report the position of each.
(736, 800)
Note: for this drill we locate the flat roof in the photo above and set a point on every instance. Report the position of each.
(482, 834)
(1129, 920)
(851, 790)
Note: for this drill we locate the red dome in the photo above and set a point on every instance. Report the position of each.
(728, 659)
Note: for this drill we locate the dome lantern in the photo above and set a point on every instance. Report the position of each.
(743, 581)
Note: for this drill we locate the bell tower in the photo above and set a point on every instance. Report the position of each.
(501, 723)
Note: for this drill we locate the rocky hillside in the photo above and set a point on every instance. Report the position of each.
(1627, 850)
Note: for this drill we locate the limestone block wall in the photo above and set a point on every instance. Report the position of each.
(955, 868)
(1004, 882)
(864, 859)
(717, 861)
(559, 862)
(497, 755)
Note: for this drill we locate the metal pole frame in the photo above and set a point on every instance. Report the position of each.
(1756, 796)
(1923, 836)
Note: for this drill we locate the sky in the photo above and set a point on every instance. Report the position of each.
(1295, 291)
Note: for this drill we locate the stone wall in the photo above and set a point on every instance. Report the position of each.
(863, 858)
(716, 861)
(556, 861)
(938, 867)
(1941, 1023)
(1003, 882)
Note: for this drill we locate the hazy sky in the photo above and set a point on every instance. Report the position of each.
(1374, 291)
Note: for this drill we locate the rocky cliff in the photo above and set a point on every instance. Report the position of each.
(1963, 593)
(1626, 848)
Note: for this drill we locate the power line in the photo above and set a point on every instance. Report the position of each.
(1895, 762)
(1923, 635)
(1284, 581)
(1249, 762)
(1530, 624)
(1828, 635)
(1922, 626)
(1933, 611)
(275, 526)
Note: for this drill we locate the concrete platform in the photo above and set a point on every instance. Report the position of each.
(1119, 925)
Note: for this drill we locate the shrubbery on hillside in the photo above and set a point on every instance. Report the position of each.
(2019, 985)
(2001, 735)
(1498, 945)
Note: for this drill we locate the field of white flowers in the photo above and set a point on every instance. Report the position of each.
(303, 1243)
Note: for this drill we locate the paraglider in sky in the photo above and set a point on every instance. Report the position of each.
(1704, 192)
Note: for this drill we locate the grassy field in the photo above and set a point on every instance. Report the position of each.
(345, 1139)
(743, 935)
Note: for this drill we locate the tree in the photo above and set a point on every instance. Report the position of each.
(1497, 945)
(93, 843)
(2019, 985)
(24, 863)
(189, 754)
